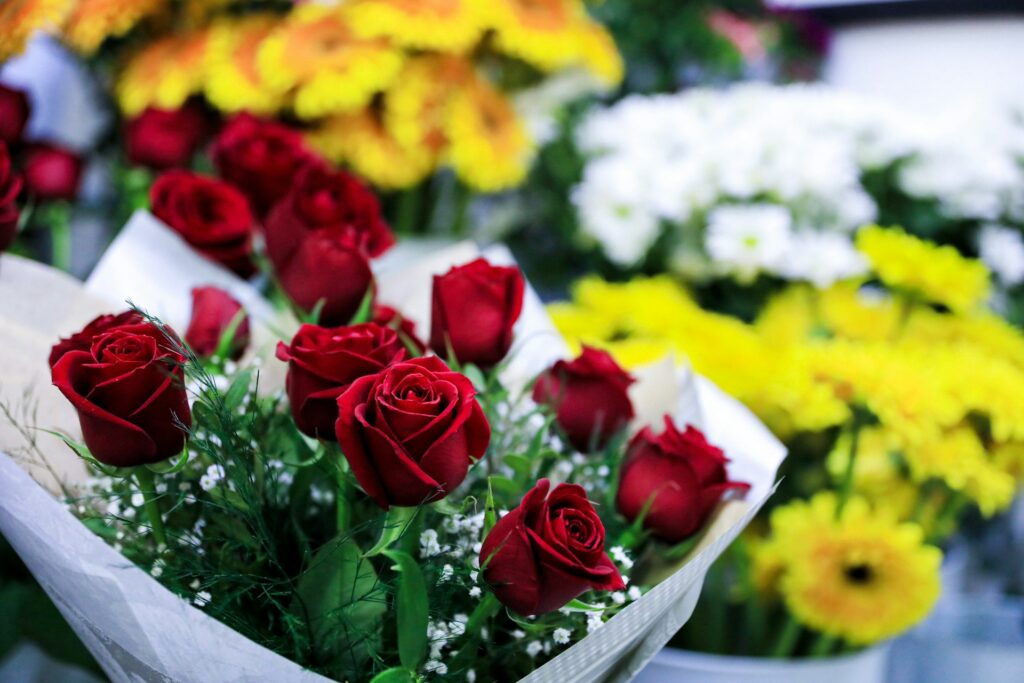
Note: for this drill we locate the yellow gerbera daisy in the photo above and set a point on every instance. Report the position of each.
(862, 578)
(489, 146)
(362, 141)
(545, 33)
(599, 54)
(443, 25)
(233, 82)
(937, 273)
(315, 53)
(415, 106)
(19, 19)
(93, 21)
(163, 74)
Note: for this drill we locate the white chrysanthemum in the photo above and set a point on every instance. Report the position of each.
(822, 258)
(745, 240)
(1002, 250)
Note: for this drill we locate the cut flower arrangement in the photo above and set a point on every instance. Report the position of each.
(398, 509)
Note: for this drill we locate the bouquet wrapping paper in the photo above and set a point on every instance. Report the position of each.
(140, 631)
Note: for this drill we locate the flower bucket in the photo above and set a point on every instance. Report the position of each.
(672, 665)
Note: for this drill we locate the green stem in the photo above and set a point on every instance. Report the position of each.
(823, 645)
(753, 607)
(462, 197)
(147, 487)
(60, 237)
(788, 638)
(408, 209)
(488, 607)
(846, 489)
(343, 494)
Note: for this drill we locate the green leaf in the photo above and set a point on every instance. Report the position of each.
(339, 596)
(413, 610)
(520, 464)
(475, 375)
(178, 466)
(490, 512)
(395, 525)
(505, 485)
(577, 605)
(227, 338)
(238, 390)
(365, 312)
(396, 675)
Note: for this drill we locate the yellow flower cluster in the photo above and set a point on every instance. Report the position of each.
(394, 88)
(856, 574)
(19, 19)
(944, 386)
(936, 273)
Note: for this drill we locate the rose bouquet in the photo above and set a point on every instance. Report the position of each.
(335, 494)
(892, 392)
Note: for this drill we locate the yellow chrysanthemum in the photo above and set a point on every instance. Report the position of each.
(315, 53)
(93, 21)
(545, 33)
(163, 74)
(1009, 457)
(233, 82)
(488, 144)
(937, 273)
(862, 578)
(416, 105)
(19, 19)
(361, 140)
(443, 25)
(959, 459)
(599, 55)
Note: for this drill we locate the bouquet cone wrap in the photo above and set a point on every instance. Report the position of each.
(140, 631)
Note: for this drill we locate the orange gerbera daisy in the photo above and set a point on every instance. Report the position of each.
(316, 54)
(544, 33)
(19, 19)
(361, 140)
(489, 146)
(163, 74)
(233, 82)
(445, 25)
(416, 105)
(93, 21)
(599, 54)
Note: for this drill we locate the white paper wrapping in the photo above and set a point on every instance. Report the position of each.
(139, 631)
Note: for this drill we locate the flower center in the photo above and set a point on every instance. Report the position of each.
(859, 574)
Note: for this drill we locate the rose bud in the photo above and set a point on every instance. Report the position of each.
(209, 214)
(590, 396)
(130, 396)
(320, 238)
(10, 187)
(323, 362)
(390, 317)
(160, 139)
(52, 172)
(411, 431)
(259, 157)
(213, 312)
(679, 474)
(473, 309)
(548, 551)
(82, 341)
(14, 113)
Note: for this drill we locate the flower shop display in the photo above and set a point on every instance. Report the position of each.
(346, 501)
(894, 392)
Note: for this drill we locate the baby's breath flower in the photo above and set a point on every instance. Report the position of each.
(561, 635)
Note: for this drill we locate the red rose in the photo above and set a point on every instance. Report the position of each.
(474, 308)
(590, 396)
(411, 431)
(259, 157)
(14, 113)
(52, 172)
(323, 362)
(548, 551)
(10, 187)
(82, 341)
(390, 317)
(209, 214)
(320, 238)
(164, 138)
(213, 311)
(683, 474)
(130, 396)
